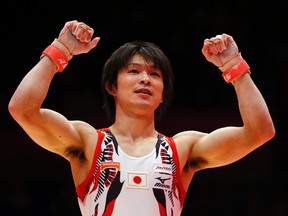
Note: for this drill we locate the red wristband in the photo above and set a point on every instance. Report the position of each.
(57, 56)
(236, 71)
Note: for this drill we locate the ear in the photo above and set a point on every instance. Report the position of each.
(162, 97)
(110, 90)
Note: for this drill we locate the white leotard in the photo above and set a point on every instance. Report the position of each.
(121, 185)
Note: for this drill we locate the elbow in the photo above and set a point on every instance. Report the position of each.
(267, 131)
(13, 109)
(270, 131)
(22, 112)
(262, 133)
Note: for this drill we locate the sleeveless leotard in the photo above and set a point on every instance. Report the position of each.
(121, 185)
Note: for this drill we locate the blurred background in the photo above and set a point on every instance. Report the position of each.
(36, 182)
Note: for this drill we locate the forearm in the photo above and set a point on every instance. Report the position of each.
(223, 52)
(33, 88)
(75, 38)
(253, 109)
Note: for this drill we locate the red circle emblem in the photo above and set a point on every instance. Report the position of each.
(137, 179)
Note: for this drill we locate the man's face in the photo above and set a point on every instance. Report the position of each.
(139, 85)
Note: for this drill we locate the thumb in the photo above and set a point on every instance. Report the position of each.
(205, 52)
(93, 43)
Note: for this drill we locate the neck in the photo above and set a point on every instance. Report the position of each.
(134, 126)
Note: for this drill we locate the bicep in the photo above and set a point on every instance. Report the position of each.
(222, 146)
(51, 130)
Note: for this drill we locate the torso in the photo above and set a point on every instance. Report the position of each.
(153, 179)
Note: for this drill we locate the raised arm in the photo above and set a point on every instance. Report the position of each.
(226, 145)
(48, 128)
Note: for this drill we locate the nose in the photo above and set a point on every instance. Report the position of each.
(144, 78)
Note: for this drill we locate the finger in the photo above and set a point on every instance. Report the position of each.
(215, 39)
(83, 32)
(205, 51)
(67, 26)
(227, 38)
(230, 43)
(87, 35)
(215, 44)
(214, 48)
(220, 46)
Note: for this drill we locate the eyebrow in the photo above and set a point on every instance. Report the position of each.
(138, 64)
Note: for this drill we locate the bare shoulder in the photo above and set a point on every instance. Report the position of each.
(187, 138)
(88, 136)
(185, 142)
(82, 126)
(81, 157)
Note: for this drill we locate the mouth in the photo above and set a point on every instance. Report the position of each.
(144, 91)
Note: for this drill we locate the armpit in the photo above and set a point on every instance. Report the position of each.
(195, 163)
(75, 153)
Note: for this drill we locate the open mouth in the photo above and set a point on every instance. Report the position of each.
(143, 91)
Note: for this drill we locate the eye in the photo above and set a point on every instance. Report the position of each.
(133, 71)
(156, 74)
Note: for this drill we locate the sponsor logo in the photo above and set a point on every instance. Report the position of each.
(161, 183)
(163, 168)
(108, 165)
